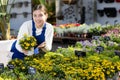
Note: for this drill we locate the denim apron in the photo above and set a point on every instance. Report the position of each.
(40, 38)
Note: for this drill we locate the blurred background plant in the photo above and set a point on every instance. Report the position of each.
(4, 19)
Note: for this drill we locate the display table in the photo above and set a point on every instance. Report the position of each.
(69, 39)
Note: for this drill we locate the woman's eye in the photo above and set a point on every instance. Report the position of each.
(34, 15)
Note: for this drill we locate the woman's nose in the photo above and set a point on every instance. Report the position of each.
(39, 18)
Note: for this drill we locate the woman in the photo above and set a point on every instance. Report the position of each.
(39, 28)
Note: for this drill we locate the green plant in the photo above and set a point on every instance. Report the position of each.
(27, 42)
(63, 64)
(4, 19)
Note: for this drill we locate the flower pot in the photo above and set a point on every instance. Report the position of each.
(25, 14)
(19, 4)
(13, 15)
(100, 1)
(12, 5)
(108, 1)
(26, 3)
(69, 1)
(110, 12)
(60, 17)
(117, 0)
(101, 13)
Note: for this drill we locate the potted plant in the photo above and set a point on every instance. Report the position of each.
(4, 20)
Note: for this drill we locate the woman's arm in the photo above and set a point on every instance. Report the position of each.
(47, 45)
(24, 29)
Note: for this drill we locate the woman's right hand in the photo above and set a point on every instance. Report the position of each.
(25, 52)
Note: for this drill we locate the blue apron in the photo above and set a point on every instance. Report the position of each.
(40, 38)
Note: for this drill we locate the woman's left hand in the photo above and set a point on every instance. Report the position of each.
(42, 45)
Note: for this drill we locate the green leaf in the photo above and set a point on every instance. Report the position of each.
(42, 2)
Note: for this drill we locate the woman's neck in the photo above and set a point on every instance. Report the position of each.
(40, 26)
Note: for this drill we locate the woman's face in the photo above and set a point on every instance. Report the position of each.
(39, 18)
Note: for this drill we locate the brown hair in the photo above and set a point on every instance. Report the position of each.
(40, 7)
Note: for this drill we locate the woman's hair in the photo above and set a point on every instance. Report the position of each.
(40, 7)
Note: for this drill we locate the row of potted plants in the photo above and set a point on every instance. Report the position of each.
(82, 30)
(87, 60)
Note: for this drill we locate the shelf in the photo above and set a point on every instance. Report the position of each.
(68, 39)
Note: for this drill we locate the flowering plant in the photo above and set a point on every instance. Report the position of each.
(27, 42)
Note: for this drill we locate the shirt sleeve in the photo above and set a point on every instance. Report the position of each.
(23, 30)
(49, 37)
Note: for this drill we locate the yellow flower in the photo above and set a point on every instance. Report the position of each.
(28, 38)
(27, 44)
(118, 67)
(54, 73)
(23, 67)
(26, 48)
(1, 78)
(112, 67)
(113, 71)
(108, 72)
(13, 62)
(32, 44)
